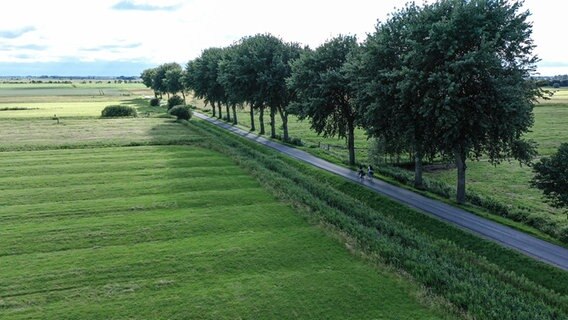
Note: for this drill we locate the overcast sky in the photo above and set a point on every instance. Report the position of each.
(123, 37)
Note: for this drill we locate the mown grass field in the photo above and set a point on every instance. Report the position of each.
(135, 219)
(170, 232)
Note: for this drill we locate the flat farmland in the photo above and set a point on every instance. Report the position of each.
(171, 232)
(39, 93)
(48, 109)
(46, 133)
(135, 218)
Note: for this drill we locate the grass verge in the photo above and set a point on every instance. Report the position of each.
(471, 282)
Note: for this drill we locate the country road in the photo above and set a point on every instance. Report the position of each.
(506, 236)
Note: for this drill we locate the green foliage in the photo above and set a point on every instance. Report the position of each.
(174, 79)
(324, 89)
(175, 100)
(181, 112)
(202, 76)
(148, 77)
(551, 176)
(159, 81)
(154, 102)
(118, 111)
(465, 97)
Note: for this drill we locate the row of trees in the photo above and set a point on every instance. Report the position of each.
(252, 72)
(166, 78)
(450, 79)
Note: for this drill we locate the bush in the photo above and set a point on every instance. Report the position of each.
(296, 142)
(118, 111)
(154, 102)
(181, 112)
(175, 100)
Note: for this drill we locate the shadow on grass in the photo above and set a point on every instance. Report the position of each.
(144, 109)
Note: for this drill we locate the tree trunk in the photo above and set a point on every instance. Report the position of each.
(252, 128)
(261, 120)
(351, 142)
(220, 110)
(228, 112)
(284, 117)
(272, 123)
(183, 95)
(460, 164)
(213, 109)
(155, 95)
(234, 113)
(418, 169)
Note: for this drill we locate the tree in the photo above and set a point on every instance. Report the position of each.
(159, 81)
(193, 80)
(272, 59)
(324, 90)
(203, 78)
(391, 76)
(231, 79)
(174, 80)
(480, 88)
(551, 176)
(239, 76)
(148, 76)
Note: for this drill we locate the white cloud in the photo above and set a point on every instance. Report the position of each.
(144, 6)
(157, 31)
(15, 33)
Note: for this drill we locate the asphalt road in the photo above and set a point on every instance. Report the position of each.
(519, 241)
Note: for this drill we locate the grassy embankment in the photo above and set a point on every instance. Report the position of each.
(138, 218)
(474, 282)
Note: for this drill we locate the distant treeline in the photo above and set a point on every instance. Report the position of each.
(69, 78)
(68, 81)
(555, 81)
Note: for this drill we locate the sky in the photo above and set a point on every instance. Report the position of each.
(124, 37)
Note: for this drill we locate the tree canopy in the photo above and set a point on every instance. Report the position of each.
(174, 80)
(449, 79)
(452, 77)
(324, 89)
(391, 77)
(482, 94)
(202, 78)
(551, 176)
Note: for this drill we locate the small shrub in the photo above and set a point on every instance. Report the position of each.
(175, 100)
(118, 111)
(181, 112)
(154, 102)
(296, 142)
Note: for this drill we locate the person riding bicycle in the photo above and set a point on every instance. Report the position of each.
(370, 171)
(360, 172)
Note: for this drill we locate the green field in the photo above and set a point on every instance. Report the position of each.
(170, 232)
(46, 95)
(137, 219)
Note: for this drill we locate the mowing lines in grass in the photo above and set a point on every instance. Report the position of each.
(193, 236)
